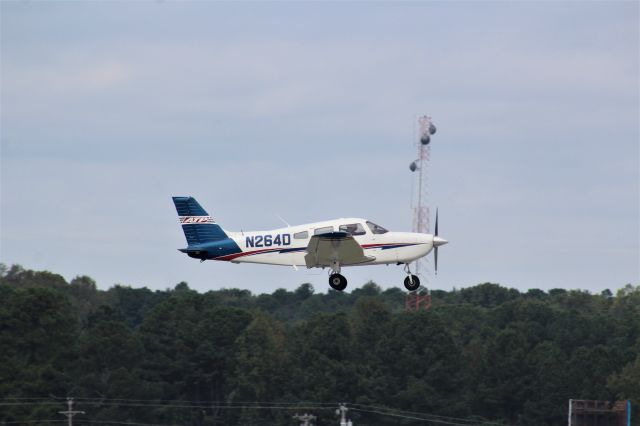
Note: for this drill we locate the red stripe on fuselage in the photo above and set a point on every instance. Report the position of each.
(245, 253)
(371, 246)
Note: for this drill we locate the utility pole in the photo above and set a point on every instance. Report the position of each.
(70, 413)
(305, 419)
(342, 412)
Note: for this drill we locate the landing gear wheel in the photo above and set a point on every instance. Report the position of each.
(412, 282)
(337, 282)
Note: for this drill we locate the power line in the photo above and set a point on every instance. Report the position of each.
(110, 422)
(160, 400)
(44, 402)
(27, 398)
(288, 406)
(430, 420)
(198, 401)
(257, 405)
(417, 413)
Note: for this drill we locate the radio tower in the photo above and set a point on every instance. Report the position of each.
(420, 196)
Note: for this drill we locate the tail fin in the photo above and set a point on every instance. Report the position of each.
(197, 225)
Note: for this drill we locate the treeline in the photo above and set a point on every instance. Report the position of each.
(487, 354)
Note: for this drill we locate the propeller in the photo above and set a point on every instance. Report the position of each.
(437, 241)
(435, 251)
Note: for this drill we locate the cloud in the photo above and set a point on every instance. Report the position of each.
(90, 79)
(273, 79)
(66, 76)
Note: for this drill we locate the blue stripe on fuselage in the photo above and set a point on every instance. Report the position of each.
(291, 250)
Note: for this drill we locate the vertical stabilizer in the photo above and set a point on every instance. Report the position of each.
(198, 226)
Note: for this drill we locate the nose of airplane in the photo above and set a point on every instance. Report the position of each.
(437, 241)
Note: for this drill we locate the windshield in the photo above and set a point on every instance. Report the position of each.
(376, 229)
(353, 229)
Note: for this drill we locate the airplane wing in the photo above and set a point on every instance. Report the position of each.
(324, 249)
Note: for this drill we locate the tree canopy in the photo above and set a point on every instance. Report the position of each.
(487, 354)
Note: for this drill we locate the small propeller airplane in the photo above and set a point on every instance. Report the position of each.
(331, 244)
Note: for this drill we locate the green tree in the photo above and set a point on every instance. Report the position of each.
(546, 387)
(626, 383)
(488, 295)
(109, 355)
(321, 365)
(84, 296)
(37, 332)
(262, 368)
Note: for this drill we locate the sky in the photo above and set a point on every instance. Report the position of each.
(309, 111)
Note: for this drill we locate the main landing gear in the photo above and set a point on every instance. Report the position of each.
(337, 281)
(412, 282)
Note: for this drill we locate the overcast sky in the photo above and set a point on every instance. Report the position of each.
(309, 111)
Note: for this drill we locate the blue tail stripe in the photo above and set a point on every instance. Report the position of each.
(203, 233)
(197, 233)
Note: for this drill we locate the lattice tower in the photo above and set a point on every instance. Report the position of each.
(421, 219)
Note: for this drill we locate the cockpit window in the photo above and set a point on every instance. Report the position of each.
(376, 229)
(353, 229)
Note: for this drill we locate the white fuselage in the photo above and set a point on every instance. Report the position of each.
(287, 246)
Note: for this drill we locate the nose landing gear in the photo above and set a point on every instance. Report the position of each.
(411, 282)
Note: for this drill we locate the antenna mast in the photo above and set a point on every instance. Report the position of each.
(420, 207)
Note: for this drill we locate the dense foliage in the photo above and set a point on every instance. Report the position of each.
(229, 357)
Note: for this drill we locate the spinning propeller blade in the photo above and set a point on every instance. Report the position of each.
(435, 251)
(437, 241)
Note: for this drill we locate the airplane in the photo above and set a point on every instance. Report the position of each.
(331, 244)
